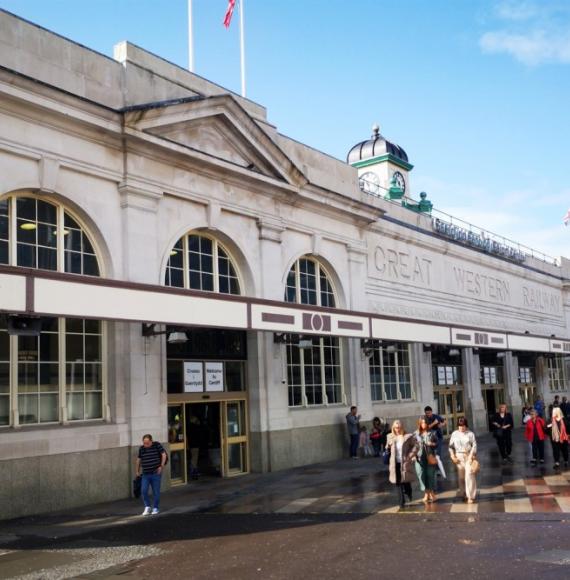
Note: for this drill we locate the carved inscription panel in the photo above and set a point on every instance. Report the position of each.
(402, 265)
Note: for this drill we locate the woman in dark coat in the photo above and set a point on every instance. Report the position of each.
(403, 449)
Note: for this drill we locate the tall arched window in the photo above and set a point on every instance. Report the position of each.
(314, 373)
(200, 262)
(56, 376)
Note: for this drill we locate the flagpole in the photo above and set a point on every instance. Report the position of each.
(242, 48)
(190, 39)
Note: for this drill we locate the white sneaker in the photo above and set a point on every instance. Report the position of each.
(146, 511)
(155, 511)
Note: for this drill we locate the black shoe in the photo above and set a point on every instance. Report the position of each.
(509, 459)
(533, 461)
(557, 465)
(542, 461)
(505, 460)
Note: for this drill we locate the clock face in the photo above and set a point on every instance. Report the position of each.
(400, 181)
(370, 183)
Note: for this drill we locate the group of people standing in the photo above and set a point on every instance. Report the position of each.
(417, 455)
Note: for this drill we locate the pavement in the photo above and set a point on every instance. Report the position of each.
(327, 520)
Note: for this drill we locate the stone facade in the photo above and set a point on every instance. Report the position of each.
(143, 152)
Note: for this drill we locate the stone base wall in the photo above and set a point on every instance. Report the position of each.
(36, 485)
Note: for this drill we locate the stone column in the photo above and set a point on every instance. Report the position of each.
(513, 397)
(543, 380)
(422, 374)
(357, 387)
(268, 397)
(475, 406)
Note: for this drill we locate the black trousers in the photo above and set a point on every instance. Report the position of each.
(559, 448)
(538, 449)
(505, 442)
(406, 487)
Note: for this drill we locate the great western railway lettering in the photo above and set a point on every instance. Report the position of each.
(403, 266)
(482, 286)
(541, 300)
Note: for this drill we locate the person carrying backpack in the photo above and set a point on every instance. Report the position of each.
(151, 460)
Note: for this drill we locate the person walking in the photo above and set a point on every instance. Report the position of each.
(353, 424)
(403, 450)
(151, 460)
(376, 436)
(503, 424)
(553, 405)
(535, 435)
(565, 407)
(539, 406)
(426, 460)
(558, 437)
(435, 423)
(463, 449)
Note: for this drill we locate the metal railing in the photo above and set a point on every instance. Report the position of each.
(472, 231)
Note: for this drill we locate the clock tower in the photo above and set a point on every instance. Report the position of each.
(382, 165)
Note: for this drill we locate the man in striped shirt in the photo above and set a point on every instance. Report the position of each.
(150, 463)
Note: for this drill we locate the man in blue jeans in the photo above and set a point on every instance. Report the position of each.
(353, 424)
(150, 463)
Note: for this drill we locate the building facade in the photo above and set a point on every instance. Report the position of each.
(171, 264)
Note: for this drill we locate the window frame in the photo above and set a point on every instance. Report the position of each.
(320, 272)
(216, 245)
(397, 364)
(558, 383)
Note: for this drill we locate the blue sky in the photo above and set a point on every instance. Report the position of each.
(476, 92)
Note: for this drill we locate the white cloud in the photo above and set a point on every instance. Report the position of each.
(532, 48)
(515, 10)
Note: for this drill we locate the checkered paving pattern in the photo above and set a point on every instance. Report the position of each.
(362, 486)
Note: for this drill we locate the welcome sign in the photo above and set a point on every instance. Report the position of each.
(193, 377)
(215, 376)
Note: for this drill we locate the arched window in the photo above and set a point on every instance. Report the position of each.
(58, 375)
(200, 262)
(314, 373)
(35, 233)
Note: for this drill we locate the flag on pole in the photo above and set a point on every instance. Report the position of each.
(229, 12)
(566, 218)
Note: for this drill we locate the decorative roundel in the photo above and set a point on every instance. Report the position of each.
(369, 182)
(400, 181)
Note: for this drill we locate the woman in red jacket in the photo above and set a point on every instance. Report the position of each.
(535, 435)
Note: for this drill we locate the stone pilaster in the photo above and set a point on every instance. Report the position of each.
(513, 396)
(475, 406)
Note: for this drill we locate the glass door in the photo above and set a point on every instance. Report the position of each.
(177, 442)
(235, 438)
(450, 408)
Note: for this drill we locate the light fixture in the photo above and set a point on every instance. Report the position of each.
(28, 226)
(173, 253)
(279, 338)
(391, 349)
(305, 343)
(369, 345)
(427, 347)
(454, 352)
(177, 337)
(501, 354)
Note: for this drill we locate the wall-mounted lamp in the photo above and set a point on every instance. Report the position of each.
(279, 338)
(501, 354)
(454, 352)
(391, 349)
(173, 336)
(369, 345)
(426, 347)
(526, 332)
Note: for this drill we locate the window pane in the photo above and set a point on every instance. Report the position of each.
(46, 212)
(74, 376)
(27, 378)
(49, 378)
(93, 377)
(90, 265)
(47, 235)
(93, 406)
(28, 409)
(26, 208)
(4, 410)
(47, 258)
(49, 411)
(26, 256)
(49, 347)
(75, 409)
(74, 347)
(92, 348)
(4, 378)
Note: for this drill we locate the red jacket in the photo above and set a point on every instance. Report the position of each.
(531, 426)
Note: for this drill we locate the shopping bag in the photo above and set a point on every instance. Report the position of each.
(440, 467)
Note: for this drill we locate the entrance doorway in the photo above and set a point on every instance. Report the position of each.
(492, 399)
(450, 407)
(207, 439)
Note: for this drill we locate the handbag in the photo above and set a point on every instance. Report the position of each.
(137, 485)
(474, 466)
(386, 457)
(432, 459)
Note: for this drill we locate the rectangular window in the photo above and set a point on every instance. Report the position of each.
(391, 374)
(314, 375)
(83, 370)
(492, 375)
(526, 375)
(447, 375)
(4, 231)
(557, 373)
(4, 373)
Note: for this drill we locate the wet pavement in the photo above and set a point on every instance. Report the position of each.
(332, 519)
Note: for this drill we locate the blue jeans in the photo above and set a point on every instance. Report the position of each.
(354, 440)
(151, 480)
